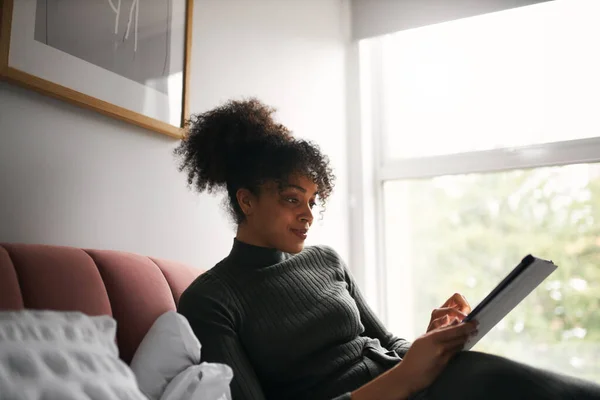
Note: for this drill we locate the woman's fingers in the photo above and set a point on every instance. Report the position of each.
(443, 322)
(456, 342)
(444, 350)
(452, 351)
(451, 312)
(455, 331)
(459, 302)
(451, 347)
(439, 322)
(455, 307)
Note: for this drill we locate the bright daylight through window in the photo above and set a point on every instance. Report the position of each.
(487, 134)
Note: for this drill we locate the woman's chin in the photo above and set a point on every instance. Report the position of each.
(294, 248)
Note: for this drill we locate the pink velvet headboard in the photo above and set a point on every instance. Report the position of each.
(133, 289)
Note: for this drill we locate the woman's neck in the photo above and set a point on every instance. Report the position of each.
(246, 235)
(249, 255)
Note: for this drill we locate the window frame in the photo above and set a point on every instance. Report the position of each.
(369, 196)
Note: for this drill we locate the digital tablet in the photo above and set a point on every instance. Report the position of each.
(517, 285)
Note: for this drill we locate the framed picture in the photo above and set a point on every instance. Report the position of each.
(128, 59)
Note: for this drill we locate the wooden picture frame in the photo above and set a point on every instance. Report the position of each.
(100, 77)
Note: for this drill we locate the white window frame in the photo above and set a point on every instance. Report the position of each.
(368, 242)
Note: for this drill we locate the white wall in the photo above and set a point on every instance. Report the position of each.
(73, 177)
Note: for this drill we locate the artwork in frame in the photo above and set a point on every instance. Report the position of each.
(128, 59)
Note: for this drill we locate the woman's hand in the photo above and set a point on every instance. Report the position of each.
(430, 353)
(455, 308)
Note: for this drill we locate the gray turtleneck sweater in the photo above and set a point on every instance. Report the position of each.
(290, 326)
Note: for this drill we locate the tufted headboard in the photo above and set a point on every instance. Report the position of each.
(133, 289)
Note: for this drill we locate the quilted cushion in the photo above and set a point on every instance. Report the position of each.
(52, 355)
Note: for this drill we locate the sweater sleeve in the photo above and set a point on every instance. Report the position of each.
(374, 328)
(213, 324)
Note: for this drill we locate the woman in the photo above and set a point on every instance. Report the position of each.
(290, 320)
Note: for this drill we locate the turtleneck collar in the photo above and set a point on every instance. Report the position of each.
(248, 255)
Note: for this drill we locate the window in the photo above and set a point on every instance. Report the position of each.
(523, 76)
(487, 138)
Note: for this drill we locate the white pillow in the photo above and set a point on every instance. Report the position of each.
(54, 355)
(206, 381)
(168, 348)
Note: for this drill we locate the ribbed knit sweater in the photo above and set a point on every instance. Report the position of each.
(290, 326)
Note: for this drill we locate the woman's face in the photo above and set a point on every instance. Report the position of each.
(280, 216)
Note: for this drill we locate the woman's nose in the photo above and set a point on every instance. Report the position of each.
(307, 216)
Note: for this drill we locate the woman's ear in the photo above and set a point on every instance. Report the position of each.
(246, 200)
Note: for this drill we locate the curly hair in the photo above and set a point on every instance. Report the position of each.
(239, 145)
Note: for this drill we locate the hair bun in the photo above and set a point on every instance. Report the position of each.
(218, 140)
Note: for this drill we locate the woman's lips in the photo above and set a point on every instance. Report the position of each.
(301, 233)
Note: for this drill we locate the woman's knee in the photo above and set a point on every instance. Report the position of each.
(472, 375)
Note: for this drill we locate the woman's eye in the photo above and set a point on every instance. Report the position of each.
(312, 205)
(292, 200)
